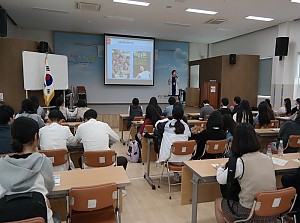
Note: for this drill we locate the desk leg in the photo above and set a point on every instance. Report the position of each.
(195, 198)
(122, 138)
(119, 205)
(147, 174)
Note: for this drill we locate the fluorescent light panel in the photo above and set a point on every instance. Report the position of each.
(201, 11)
(50, 10)
(259, 18)
(132, 2)
(296, 1)
(119, 18)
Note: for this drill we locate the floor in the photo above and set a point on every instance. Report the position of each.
(143, 205)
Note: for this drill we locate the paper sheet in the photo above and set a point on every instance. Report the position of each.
(215, 165)
(279, 162)
(56, 180)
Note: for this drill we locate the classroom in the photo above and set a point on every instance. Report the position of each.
(149, 111)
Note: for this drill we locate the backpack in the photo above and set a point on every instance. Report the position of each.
(22, 206)
(133, 152)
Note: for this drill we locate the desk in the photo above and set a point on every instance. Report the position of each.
(193, 115)
(282, 119)
(254, 113)
(266, 136)
(193, 122)
(204, 173)
(123, 125)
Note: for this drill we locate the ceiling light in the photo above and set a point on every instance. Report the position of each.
(119, 18)
(201, 11)
(296, 1)
(177, 24)
(259, 18)
(132, 2)
(50, 10)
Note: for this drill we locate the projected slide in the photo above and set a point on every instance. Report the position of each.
(128, 60)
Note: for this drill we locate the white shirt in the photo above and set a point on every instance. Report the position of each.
(95, 135)
(222, 173)
(66, 112)
(81, 111)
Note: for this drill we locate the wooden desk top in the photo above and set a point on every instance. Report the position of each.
(73, 124)
(283, 118)
(90, 177)
(207, 173)
(267, 132)
(124, 115)
(193, 114)
(193, 121)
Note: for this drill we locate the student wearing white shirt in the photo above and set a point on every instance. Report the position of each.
(96, 135)
(81, 109)
(60, 105)
(56, 136)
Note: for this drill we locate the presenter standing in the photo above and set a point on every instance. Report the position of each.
(173, 85)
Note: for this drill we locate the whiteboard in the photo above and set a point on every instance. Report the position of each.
(34, 70)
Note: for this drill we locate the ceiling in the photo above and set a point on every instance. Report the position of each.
(150, 21)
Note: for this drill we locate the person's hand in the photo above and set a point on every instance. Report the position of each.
(221, 165)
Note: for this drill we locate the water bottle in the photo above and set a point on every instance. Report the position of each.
(269, 151)
(280, 149)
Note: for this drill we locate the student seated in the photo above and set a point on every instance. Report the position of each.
(96, 135)
(287, 129)
(286, 110)
(297, 107)
(56, 136)
(252, 178)
(236, 105)
(168, 109)
(27, 170)
(153, 102)
(36, 105)
(262, 120)
(214, 131)
(244, 113)
(151, 118)
(224, 107)
(60, 105)
(6, 120)
(81, 109)
(134, 110)
(29, 112)
(229, 126)
(207, 109)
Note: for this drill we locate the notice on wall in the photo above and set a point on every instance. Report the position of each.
(212, 89)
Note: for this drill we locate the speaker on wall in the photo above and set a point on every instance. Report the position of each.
(43, 47)
(3, 22)
(282, 47)
(232, 59)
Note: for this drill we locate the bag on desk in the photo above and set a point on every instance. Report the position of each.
(133, 152)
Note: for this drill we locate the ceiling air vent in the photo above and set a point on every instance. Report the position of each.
(216, 21)
(88, 6)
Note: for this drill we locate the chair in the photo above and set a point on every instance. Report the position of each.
(148, 129)
(93, 204)
(272, 203)
(179, 148)
(101, 158)
(57, 156)
(215, 147)
(202, 124)
(274, 124)
(293, 142)
(31, 220)
(81, 91)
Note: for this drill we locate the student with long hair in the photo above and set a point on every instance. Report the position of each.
(151, 117)
(297, 107)
(153, 102)
(252, 178)
(286, 109)
(263, 117)
(244, 113)
(36, 104)
(229, 126)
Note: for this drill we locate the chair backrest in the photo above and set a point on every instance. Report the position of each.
(81, 90)
(215, 146)
(202, 124)
(206, 117)
(31, 220)
(100, 158)
(183, 147)
(273, 203)
(57, 156)
(139, 118)
(93, 197)
(294, 141)
(149, 129)
(274, 124)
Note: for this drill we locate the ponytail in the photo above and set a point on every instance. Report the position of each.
(179, 127)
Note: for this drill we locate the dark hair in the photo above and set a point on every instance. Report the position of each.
(177, 114)
(91, 113)
(153, 101)
(36, 102)
(229, 123)
(152, 114)
(177, 103)
(268, 102)
(171, 100)
(288, 106)
(215, 120)
(56, 115)
(23, 131)
(81, 103)
(27, 106)
(6, 113)
(298, 101)
(244, 112)
(237, 99)
(225, 101)
(263, 114)
(205, 101)
(297, 119)
(135, 101)
(244, 140)
(173, 71)
(59, 102)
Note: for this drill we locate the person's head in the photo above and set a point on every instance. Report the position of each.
(205, 102)
(24, 132)
(177, 114)
(177, 103)
(297, 101)
(90, 114)
(268, 102)
(244, 112)
(229, 124)
(60, 102)
(174, 73)
(244, 140)
(237, 100)
(81, 103)
(225, 101)
(35, 101)
(27, 106)
(171, 100)
(288, 105)
(215, 121)
(263, 114)
(153, 101)
(6, 114)
(142, 68)
(56, 116)
(135, 101)
(152, 114)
